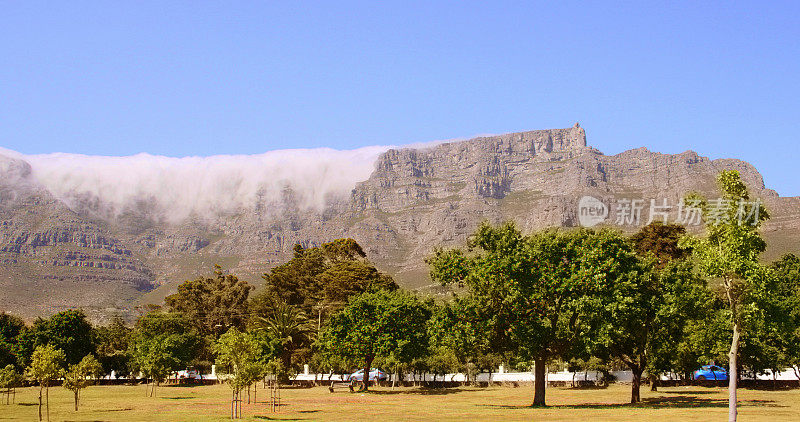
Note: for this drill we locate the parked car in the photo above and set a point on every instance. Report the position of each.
(374, 374)
(711, 372)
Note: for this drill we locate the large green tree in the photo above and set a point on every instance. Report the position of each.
(729, 253)
(381, 323)
(319, 280)
(300, 295)
(787, 275)
(69, 331)
(113, 343)
(162, 343)
(643, 316)
(457, 326)
(212, 304)
(288, 326)
(12, 328)
(535, 294)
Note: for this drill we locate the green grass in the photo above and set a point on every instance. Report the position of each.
(210, 403)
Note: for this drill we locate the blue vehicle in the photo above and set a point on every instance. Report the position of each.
(374, 374)
(711, 372)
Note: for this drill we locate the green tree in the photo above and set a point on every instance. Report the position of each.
(288, 325)
(212, 304)
(458, 327)
(113, 343)
(381, 323)
(68, 331)
(729, 253)
(238, 355)
(81, 375)
(773, 320)
(319, 280)
(534, 293)
(441, 361)
(313, 285)
(10, 379)
(46, 365)
(162, 343)
(644, 316)
(787, 274)
(12, 328)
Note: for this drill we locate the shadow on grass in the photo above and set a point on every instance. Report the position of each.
(776, 387)
(422, 391)
(269, 418)
(178, 398)
(651, 403)
(701, 392)
(588, 387)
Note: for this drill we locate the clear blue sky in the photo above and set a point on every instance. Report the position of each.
(202, 78)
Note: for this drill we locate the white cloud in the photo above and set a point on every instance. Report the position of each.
(176, 188)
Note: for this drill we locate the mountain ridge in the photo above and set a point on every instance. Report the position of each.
(54, 257)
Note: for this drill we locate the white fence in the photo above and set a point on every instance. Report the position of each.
(564, 376)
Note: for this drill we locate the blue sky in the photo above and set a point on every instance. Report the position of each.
(203, 78)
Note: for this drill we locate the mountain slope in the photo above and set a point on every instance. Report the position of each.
(53, 256)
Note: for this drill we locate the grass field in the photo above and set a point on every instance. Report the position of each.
(210, 403)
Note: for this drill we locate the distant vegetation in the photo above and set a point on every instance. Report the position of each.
(658, 302)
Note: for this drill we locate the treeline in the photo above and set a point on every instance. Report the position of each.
(660, 301)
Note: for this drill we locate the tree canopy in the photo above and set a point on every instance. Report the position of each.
(380, 323)
(535, 294)
(68, 331)
(212, 304)
(163, 343)
(321, 279)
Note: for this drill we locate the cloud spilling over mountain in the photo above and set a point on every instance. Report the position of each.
(398, 204)
(178, 188)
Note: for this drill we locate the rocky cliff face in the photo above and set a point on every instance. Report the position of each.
(53, 257)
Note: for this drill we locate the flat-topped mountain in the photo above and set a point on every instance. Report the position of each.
(72, 238)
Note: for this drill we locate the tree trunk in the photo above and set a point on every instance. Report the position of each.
(47, 399)
(287, 362)
(76, 400)
(539, 382)
(733, 373)
(41, 386)
(367, 367)
(636, 385)
(653, 382)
